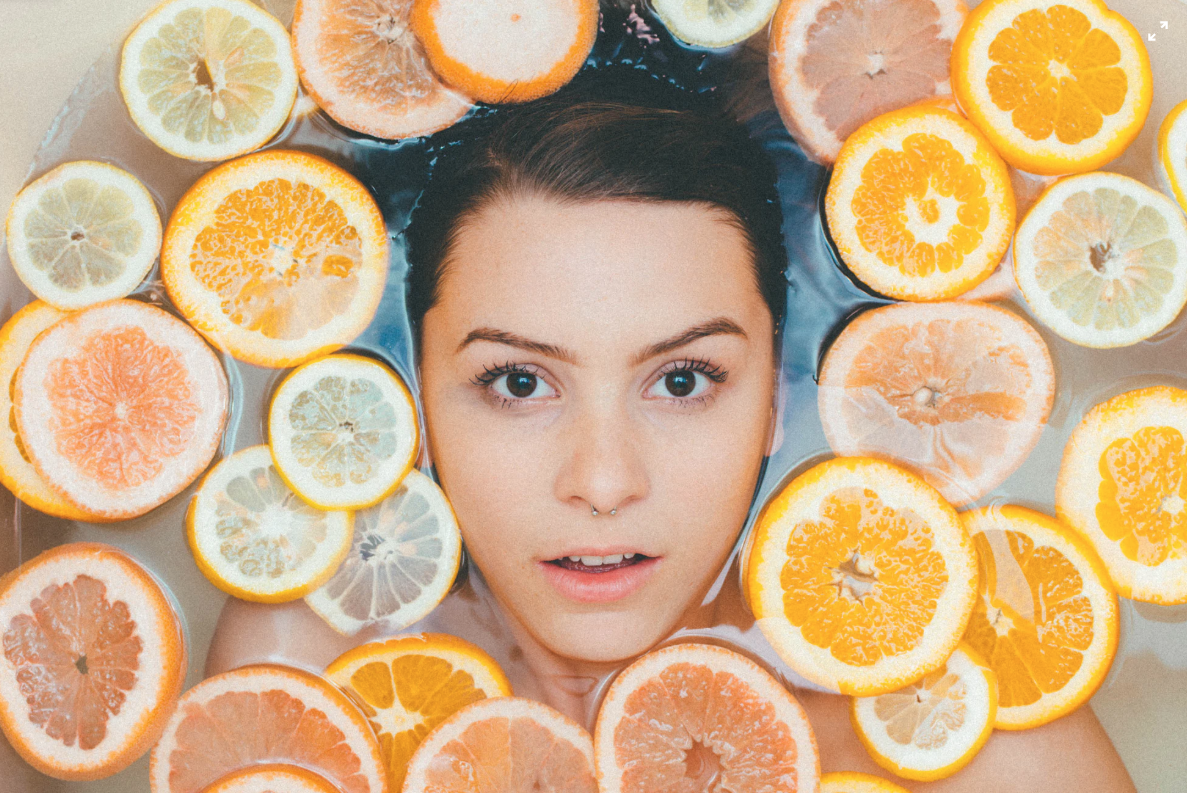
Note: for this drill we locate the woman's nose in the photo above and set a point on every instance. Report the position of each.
(603, 469)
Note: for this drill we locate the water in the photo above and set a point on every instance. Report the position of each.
(1142, 703)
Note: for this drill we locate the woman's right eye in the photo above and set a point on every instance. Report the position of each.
(519, 385)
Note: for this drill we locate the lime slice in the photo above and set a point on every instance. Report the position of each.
(714, 23)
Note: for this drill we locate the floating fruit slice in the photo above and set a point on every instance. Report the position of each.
(1057, 87)
(919, 205)
(505, 50)
(277, 257)
(265, 713)
(957, 391)
(343, 431)
(861, 576)
(364, 66)
(404, 557)
(709, 23)
(94, 660)
(409, 685)
(253, 538)
(836, 64)
(119, 407)
(857, 783)
(1046, 619)
(505, 744)
(1102, 260)
(265, 778)
(84, 233)
(1123, 485)
(932, 728)
(1170, 161)
(701, 718)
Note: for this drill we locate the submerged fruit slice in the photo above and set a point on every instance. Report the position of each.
(712, 23)
(265, 778)
(1058, 87)
(505, 744)
(701, 718)
(505, 50)
(409, 685)
(93, 660)
(957, 391)
(919, 205)
(265, 713)
(836, 64)
(1170, 161)
(857, 783)
(343, 431)
(208, 79)
(120, 406)
(1123, 485)
(861, 576)
(253, 538)
(84, 233)
(1102, 260)
(277, 257)
(403, 559)
(1046, 619)
(932, 728)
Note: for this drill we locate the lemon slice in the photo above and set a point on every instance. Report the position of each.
(253, 538)
(714, 23)
(1102, 260)
(857, 783)
(208, 80)
(403, 560)
(84, 233)
(343, 431)
(1170, 162)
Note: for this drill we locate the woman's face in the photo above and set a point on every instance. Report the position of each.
(611, 354)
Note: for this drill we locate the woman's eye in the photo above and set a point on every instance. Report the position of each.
(682, 383)
(520, 385)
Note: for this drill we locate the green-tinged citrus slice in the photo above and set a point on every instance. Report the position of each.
(714, 23)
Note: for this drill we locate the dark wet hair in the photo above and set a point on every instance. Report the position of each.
(612, 133)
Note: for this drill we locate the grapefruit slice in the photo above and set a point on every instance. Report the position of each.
(857, 783)
(265, 778)
(120, 406)
(504, 744)
(94, 660)
(265, 714)
(710, 23)
(836, 64)
(701, 718)
(1170, 162)
(957, 391)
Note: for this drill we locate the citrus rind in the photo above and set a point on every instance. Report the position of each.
(857, 783)
(262, 778)
(707, 23)
(1170, 156)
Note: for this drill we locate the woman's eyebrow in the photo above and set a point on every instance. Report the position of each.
(718, 326)
(518, 341)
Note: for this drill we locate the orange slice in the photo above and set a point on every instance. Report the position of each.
(1057, 87)
(957, 391)
(276, 257)
(506, 50)
(1046, 619)
(409, 685)
(701, 718)
(505, 744)
(120, 406)
(837, 64)
(265, 714)
(857, 783)
(94, 660)
(1170, 162)
(919, 205)
(1123, 486)
(861, 576)
(934, 727)
(265, 778)
(361, 62)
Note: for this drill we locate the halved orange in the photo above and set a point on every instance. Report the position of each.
(93, 660)
(857, 783)
(861, 576)
(277, 257)
(266, 778)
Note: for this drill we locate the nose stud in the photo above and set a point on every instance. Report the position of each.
(594, 510)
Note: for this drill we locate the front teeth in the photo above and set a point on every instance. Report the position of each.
(612, 559)
(594, 561)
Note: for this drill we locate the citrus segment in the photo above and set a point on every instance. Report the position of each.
(208, 79)
(94, 660)
(919, 205)
(1170, 161)
(265, 713)
(1102, 260)
(1058, 87)
(84, 233)
(861, 576)
(957, 391)
(120, 406)
(1046, 618)
(253, 538)
(409, 685)
(506, 50)
(265, 778)
(504, 744)
(277, 257)
(701, 718)
(364, 66)
(404, 556)
(857, 783)
(933, 727)
(713, 23)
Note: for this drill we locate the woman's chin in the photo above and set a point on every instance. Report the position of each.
(603, 637)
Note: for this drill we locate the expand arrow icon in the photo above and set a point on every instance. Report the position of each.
(1149, 37)
(1164, 24)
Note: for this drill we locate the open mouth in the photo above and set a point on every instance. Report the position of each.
(599, 578)
(600, 564)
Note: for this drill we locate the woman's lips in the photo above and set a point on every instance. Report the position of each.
(598, 583)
